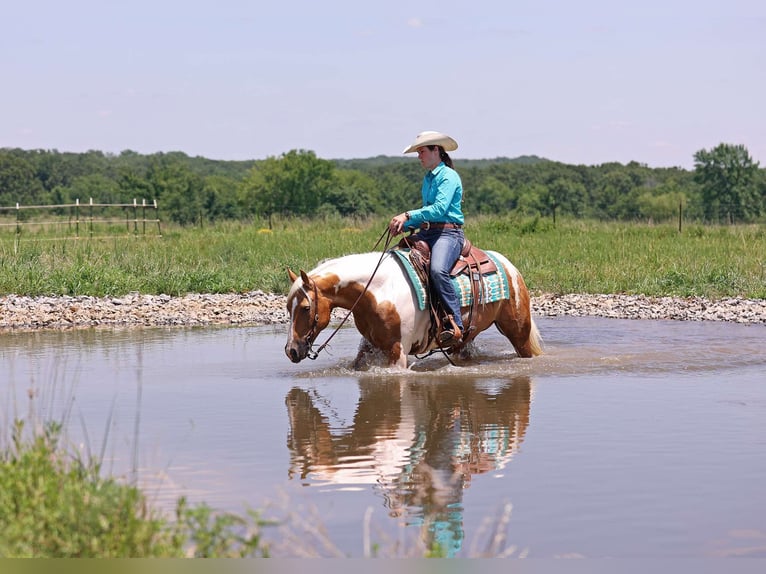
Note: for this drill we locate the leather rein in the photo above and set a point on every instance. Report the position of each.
(312, 354)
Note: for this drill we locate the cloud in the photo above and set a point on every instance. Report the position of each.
(414, 23)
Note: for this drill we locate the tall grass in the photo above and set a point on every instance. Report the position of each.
(53, 504)
(571, 257)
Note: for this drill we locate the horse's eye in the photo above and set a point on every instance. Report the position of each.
(306, 308)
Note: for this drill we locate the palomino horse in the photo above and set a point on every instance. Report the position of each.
(387, 313)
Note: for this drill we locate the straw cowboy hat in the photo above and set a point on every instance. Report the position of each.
(432, 138)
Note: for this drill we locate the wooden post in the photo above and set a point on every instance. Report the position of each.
(18, 232)
(157, 215)
(90, 223)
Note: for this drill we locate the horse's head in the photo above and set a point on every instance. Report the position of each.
(309, 313)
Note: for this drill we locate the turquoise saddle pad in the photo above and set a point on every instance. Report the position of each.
(494, 285)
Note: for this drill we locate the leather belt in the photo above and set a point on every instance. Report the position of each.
(426, 225)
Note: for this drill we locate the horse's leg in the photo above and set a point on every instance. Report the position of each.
(363, 355)
(519, 328)
(397, 357)
(368, 355)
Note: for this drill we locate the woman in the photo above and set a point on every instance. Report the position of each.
(440, 221)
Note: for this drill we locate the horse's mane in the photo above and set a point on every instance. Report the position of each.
(331, 264)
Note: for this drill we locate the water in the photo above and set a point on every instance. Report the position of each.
(627, 439)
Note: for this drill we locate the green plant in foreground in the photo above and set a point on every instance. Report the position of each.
(52, 506)
(220, 535)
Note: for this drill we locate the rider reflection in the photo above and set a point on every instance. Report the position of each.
(417, 443)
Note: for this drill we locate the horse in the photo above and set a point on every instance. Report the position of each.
(384, 304)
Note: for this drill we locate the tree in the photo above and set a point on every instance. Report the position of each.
(220, 199)
(354, 194)
(18, 183)
(296, 183)
(567, 194)
(179, 190)
(728, 178)
(490, 196)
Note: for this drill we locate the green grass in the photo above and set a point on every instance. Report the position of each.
(578, 257)
(572, 257)
(53, 505)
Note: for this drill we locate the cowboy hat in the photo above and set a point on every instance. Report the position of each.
(432, 138)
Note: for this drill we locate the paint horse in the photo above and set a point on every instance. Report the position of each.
(389, 312)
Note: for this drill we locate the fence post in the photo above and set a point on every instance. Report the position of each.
(157, 215)
(18, 231)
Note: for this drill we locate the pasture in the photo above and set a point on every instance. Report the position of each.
(572, 257)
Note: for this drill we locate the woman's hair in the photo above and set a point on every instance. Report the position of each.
(443, 155)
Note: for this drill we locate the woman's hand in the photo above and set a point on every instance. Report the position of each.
(396, 226)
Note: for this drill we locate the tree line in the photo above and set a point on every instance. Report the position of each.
(725, 186)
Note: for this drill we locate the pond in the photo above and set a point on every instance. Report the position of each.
(628, 438)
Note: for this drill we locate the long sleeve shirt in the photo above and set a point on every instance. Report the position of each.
(442, 193)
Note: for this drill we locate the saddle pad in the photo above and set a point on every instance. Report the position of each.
(494, 285)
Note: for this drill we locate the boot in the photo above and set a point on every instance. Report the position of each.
(451, 333)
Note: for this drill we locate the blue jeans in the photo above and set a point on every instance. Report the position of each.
(446, 245)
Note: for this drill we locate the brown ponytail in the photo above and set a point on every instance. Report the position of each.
(443, 155)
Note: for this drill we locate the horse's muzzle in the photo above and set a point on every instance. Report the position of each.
(296, 351)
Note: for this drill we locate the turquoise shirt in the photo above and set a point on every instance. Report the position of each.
(442, 193)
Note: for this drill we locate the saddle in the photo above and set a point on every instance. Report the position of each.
(472, 262)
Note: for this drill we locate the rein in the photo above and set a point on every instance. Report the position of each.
(314, 354)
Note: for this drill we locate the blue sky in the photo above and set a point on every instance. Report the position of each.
(583, 82)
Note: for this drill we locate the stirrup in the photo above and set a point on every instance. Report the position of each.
(448, 338)
(451, 334)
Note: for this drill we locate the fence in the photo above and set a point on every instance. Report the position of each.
(81, 220)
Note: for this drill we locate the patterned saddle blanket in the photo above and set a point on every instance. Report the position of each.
(494, 285)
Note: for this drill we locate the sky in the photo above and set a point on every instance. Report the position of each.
(580, 82)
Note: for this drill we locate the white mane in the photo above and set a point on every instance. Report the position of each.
(356, 267)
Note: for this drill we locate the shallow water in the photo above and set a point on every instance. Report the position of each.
(626, 439)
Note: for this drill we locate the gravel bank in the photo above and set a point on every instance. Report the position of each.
(259, 308)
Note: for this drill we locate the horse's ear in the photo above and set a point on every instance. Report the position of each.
(306, 280)
(292, 275)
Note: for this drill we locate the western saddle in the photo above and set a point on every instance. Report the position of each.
(472, 262)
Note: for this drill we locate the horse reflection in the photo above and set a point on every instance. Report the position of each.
(418, 444)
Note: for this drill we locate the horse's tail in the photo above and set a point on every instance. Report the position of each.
(535, 339)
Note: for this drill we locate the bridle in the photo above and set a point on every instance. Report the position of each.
(313, 333)
(314, 314)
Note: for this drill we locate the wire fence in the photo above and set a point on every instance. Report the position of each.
(78, 220)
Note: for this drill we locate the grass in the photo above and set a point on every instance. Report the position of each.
(53, 505)
(572, 257)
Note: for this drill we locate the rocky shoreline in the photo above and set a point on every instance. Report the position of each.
(259, 308)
